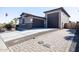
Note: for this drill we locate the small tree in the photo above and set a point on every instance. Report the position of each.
(12, 24)
(2, 26)
(15, 22)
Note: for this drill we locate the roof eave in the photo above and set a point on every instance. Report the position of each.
(58, 9)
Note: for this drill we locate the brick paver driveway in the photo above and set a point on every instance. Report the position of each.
(56, 41)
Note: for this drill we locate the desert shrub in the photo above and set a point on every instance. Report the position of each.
(8, 26)
(2, 28)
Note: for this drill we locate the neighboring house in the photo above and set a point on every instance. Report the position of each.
(28, 21)
(55, 18)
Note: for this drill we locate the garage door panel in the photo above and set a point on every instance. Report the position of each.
(37, 23)
(53, 20)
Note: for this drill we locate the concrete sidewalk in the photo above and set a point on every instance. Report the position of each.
(19, 34)
(3, 47)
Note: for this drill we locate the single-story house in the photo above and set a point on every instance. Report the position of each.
(28, 21)
(55, 18)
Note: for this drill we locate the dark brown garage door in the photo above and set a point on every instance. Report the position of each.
(53, 20)
(38, 23)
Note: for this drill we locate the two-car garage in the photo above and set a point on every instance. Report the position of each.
(37, 23)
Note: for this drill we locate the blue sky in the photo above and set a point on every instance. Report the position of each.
(14, 12)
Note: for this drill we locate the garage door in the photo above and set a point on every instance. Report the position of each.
(38, 23)
(53, 20)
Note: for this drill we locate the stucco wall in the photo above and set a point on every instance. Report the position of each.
(64, 19)
(27, 20)
(27, 23)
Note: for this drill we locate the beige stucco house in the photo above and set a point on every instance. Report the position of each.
(55, 18)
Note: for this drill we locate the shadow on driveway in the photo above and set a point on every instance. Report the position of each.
(75, 40)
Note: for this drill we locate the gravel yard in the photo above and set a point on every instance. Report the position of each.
(49, 42)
